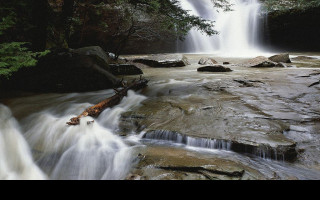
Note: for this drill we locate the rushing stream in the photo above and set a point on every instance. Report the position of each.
(80, 152)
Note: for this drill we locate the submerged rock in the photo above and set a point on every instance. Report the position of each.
(165, 61)
(215, 68)
(299, 58)
(125, 69)
(281, 58)
(207, 61)
(260, 61)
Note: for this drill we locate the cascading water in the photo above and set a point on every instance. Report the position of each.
(15, 157)
(85, 152)
(238, 29)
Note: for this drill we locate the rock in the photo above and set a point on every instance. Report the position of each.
(281, 64)
(68, 70)
(283, 58)
(164, 61)
(299, 58)
(215, 68)
(168, 163)
(207, 61)
(124, 69)
(260, 61)
(226, 63)
(94, 51)
(183, 121)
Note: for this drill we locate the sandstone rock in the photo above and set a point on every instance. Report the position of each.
(215, 68)
(260, 61)
(284, 58)
(207, 61)
(164, 61)
(167, 163)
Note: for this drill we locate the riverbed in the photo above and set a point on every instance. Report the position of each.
(248, 124)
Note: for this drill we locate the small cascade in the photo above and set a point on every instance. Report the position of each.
(263, 152)
(238, 29)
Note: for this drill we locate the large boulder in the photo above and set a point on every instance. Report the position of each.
(259, 62)
(283, 58)
(207, 61)
(125, 69)
(67, 70)
(164, 61)
(215, 68)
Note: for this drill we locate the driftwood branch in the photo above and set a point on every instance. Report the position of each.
(97, 109)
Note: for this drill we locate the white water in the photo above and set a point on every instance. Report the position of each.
(15, 157)
(238, 29)
(85, 152)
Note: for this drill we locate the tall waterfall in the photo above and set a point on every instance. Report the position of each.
(238, 29)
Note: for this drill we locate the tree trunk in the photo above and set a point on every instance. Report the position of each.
(67, 14)
(40, 19)
(97, 109)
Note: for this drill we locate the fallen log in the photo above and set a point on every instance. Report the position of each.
(97, 109)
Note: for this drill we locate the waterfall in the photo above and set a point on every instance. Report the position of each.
(238, 29)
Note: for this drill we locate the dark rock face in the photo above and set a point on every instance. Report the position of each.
(207, 61)
(124, 69)
(260, 61)
(67, 70)
(294, 30)
(216, 68)
(283, 58)
(164, 61)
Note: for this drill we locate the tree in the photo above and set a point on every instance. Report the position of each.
(283, 5)
(114, 23)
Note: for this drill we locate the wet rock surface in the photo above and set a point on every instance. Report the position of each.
(259, 62)
(169, 163)
(281, 58)
(215, 68)
(251, 109)
(163, 61)
(207, 61)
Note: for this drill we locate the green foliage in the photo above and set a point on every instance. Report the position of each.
(284, 5)
(14, 56)
(7, 22)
